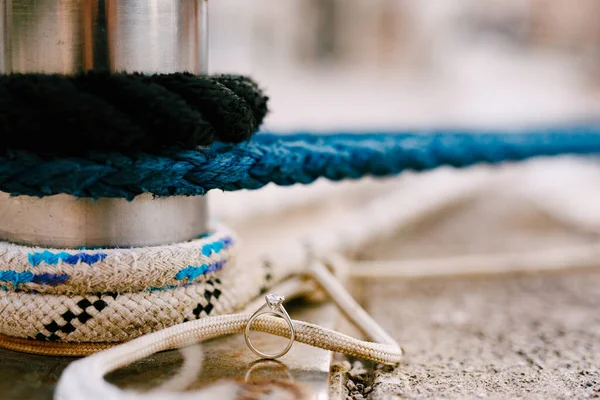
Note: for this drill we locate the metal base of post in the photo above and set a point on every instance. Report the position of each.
(64, 221)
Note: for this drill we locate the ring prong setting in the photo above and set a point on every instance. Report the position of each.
(274, 300)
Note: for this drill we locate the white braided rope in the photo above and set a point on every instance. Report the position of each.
(110, 319)
(120, 317)
(115, 270)
(86, 377)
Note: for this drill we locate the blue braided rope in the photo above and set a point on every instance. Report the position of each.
(282, 159)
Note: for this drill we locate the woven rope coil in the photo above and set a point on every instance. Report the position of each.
(87, 316)
(112, 318)
(59, 271)
(121, 317)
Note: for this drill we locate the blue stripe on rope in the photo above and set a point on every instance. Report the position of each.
(282, 159)
(53, 258)
(50, 279)
(17, 278)
(190, 273)
(210, 248)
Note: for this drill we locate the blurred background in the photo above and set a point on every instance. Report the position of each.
(377, 64)
(368, 65)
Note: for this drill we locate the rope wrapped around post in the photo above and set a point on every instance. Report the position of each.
(280, 159)
(71, 115)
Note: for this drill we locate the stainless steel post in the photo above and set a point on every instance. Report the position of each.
(71, 36)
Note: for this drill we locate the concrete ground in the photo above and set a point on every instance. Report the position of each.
(517, 335)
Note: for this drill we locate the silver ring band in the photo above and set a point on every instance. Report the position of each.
(273, 306)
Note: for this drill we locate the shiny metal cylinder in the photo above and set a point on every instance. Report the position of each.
(71, 36)
(102, 222)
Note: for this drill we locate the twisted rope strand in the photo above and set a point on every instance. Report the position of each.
(279, 159)
(69, 115)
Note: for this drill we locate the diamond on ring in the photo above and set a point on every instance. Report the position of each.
(274, 300)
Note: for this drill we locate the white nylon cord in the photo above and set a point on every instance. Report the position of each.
(85, 378)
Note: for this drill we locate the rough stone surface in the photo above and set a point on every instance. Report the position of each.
(529, 335)
(532, 336)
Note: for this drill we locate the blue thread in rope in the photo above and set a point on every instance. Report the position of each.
(51, 258)
(281, 159)
(50, 279)
(216, 246)
(17, 278)
(209, 248)
(191, 272)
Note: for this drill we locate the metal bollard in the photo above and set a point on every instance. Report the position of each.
(71, 36)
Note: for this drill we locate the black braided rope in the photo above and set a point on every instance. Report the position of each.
(68, 115)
